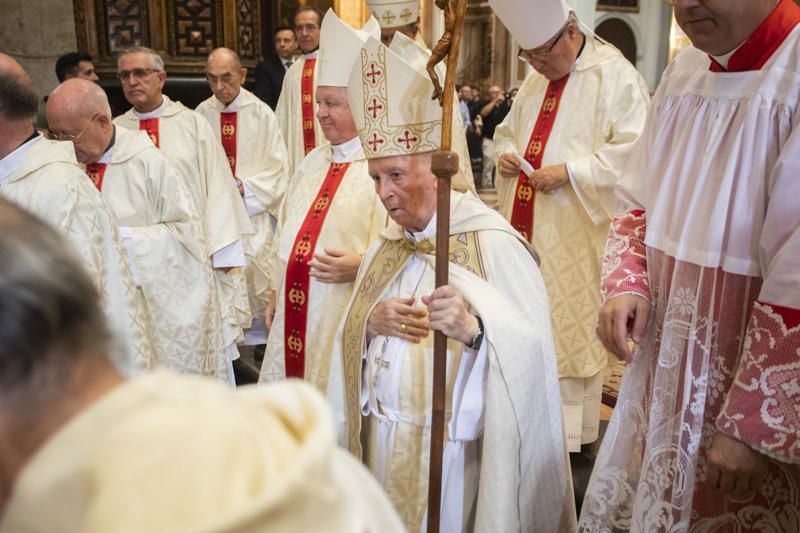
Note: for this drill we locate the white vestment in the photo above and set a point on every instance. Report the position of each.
(505, 461)
(261, 164)
(165, 453)
(290, 112)
(709, 232)
(166, 246)
(43, 176)
(593, 135)
(355, 218)
(188, 141)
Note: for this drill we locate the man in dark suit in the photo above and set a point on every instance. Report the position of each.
(269, 72)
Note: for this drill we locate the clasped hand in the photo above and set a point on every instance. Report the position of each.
(445, 311)
(334, 266)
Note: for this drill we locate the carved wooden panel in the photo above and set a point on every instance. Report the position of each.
(183, 32)
(247, 17)
(126, 23)
(193, 26)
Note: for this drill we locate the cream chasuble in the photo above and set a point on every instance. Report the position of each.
(593, 136)
(354, 219)
(188, 141)
(261, 164)
(166, 244)
(49, 183)
(289, 112)
(503, 471)
(167, 453)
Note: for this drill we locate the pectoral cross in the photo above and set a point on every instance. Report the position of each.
(381, 363)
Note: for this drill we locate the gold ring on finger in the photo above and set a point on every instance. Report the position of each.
(403, 327)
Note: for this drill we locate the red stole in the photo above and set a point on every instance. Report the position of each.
(297, 272)
(96, 171)
(227, 127)
(307, 103)
(525, 194)
(767, 38)
(150, 125)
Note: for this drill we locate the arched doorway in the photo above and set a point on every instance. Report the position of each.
(619, 33)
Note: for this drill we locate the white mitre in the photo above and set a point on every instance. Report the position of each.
(339, 46)
(412, 53)
(394, 13)
(531, 22)
(391, 105)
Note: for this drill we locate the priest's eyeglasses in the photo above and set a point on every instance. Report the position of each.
(74, 139)
(137, 73)
(541, 55)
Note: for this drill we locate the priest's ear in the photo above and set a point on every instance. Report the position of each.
(242, 75)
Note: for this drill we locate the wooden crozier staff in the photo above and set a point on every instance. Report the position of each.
(444, 165)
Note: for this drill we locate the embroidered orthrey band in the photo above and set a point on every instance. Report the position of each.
(297, 272)
(465, 251)
(96, 171)
(307, 104)
(150, 125)
(525, 196)
(227, 128)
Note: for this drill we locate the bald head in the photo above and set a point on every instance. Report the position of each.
(78, 110)
(225, 74)
(18, 100)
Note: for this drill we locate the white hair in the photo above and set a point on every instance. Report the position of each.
(155, 59)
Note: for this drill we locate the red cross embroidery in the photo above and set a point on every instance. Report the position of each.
(407, 140)
(372, 74)
(374, 142)
(374, 108)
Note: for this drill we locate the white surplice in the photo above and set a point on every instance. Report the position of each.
(43, 176)
(709, 232)
(355, 218)
(262, 166)
(188, 141)
(593, 135)
(166, 243)
(289, 112)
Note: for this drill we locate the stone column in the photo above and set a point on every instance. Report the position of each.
(36, 33)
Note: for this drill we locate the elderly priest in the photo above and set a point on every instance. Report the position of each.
(505, 460)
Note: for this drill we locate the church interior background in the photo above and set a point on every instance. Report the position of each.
(36, 32)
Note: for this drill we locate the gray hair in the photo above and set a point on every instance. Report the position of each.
(155, 59)
(50, 314)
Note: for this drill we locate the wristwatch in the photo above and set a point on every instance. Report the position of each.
(477, 340)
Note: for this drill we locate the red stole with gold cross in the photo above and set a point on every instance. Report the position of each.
(150, 125)
(307, 104)
(525, 195)
(227, 127)
(297, 272)
(96, 171)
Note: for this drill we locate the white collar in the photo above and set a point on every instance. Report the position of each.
(284, 61)
(236, 104)
(155, 113)
(347, 151)
(11, 163)
(725, 58)
(427, 233)
(311, 55)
